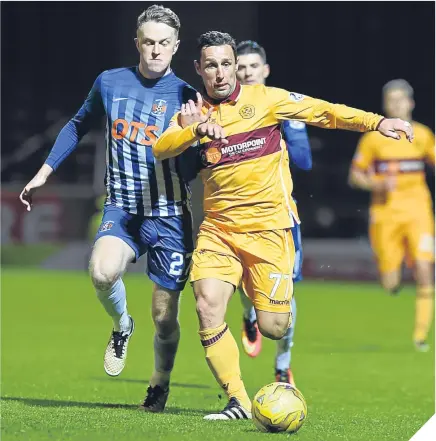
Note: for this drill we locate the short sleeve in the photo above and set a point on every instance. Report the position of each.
(365, 155)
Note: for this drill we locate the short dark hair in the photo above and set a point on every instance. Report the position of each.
(159, 14)
(216, 38)
(251, 47)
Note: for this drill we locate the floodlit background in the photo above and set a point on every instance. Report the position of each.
(353, 358)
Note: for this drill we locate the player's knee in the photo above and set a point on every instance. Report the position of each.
(103, 278)
(205, 306)
(390, 286)
(165, 310)
(424, 273)
(274, 329)
(391, 282)
(165, 322)
(209, 310)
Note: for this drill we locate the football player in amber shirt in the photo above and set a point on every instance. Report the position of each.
(248, 206)
(254, 69)
(401, 213)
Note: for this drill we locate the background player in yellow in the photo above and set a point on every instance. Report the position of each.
(401, 213)
(249, 211)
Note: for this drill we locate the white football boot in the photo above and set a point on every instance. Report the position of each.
(116, 351)
(233, 411)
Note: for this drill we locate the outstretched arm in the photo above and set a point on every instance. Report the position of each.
(289, 105)
(361, 174)
(71, 134)
(67, 140)
(366, 180)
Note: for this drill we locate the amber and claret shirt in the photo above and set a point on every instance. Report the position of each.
(405, 161)
(247, 182)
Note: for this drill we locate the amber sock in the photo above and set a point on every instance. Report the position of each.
(222, 356)
(423, 312)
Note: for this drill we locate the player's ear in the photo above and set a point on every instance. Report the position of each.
(137, 44)
(412, 105)
(197, 67)
(176, 46)
(266, 71)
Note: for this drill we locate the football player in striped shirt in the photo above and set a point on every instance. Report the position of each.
(249, 212)
(401, 212)
(147, 206)
(253, 69)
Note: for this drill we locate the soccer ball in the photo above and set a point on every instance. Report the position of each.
(279, 407)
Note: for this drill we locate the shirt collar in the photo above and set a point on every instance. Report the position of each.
(232, 98)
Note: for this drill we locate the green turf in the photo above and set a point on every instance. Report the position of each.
(353, 361)
(27, 255)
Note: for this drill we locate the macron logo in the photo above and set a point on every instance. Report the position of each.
(119, 99)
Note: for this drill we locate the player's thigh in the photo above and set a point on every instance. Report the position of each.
(114, 245)
(215, 274)
(388, 245)
(109, 259)
(267, 279)
(170, 249)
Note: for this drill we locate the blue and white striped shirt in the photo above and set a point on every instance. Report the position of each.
(137, 111)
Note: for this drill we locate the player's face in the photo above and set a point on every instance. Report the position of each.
(217, 68)
(156, 44)
(252, 69)
(397, 104)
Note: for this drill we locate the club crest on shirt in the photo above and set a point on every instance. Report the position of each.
(247, 111)
(106, 226)
(159, 107)
(210, 156)
(296, 97)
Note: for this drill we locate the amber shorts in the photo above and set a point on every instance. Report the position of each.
(392, 241)
(263, 261)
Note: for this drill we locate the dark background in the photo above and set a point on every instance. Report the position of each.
(339, 51)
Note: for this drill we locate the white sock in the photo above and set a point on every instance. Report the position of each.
(283, 357)
(248, 308)
(115, 303)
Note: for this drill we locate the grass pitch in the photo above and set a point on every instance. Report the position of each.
(353, 360)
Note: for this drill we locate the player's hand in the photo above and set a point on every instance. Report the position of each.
(391, 128)
(391, 183)
(190, 112)
(385, 185)
(29, 190)
(212, 131)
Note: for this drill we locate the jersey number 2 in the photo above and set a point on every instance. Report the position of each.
(180, 264)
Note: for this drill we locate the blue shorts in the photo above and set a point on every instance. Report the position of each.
(298, 264)
(167, 241)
